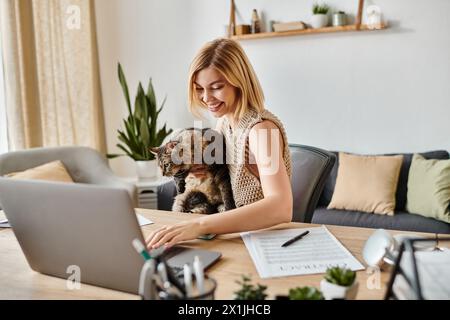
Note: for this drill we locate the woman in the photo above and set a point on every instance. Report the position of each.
(223, 81)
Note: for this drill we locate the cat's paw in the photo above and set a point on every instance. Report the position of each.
(221, 208)
(199, 210)
(177, 206)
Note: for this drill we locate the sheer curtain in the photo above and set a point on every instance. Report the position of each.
(3, 132)
(52, 81)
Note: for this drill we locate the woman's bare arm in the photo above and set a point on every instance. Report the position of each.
(275, 208)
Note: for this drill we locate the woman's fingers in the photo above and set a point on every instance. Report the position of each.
(174, 241)
(155, 236)
(165, 238)
(152, 235)
(170, 235)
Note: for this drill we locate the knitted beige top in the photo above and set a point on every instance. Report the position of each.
(246, 186)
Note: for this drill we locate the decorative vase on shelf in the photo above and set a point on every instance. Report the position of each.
(256, 22)
(319, 21)
(339, 19)
(146, 170)
(373, 17)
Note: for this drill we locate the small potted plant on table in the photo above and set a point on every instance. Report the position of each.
(339, 283)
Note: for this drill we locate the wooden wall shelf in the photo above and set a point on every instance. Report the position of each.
(358, 26)
(262, 35)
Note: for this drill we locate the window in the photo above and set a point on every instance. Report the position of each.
(3, 128)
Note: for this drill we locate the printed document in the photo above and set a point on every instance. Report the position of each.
(143, 221)
(314, 253)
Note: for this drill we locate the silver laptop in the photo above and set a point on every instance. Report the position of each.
(64, 227)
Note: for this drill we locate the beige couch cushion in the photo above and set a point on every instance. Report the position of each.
(52, 171)
(366, 183)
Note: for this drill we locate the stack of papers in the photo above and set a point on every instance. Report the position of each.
(314, 253)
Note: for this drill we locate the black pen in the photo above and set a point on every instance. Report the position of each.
(289, 242)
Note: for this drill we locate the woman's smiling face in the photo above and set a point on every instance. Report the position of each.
(215, 92)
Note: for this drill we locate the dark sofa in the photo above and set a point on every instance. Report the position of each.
(314, 173)
(401, 220)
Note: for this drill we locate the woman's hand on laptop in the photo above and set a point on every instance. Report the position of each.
(171, 235)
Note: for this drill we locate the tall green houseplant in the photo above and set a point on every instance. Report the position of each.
(140, 127)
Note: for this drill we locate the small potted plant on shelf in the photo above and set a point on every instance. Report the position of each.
(339, 283)
(319, 19)
(140, 131)
(248, 291)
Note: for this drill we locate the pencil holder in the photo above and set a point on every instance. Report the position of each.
(208, 292)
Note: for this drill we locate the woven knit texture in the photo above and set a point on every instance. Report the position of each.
(246, 186)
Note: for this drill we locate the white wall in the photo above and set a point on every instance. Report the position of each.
(365, 92)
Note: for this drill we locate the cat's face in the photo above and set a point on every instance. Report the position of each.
(164, 156)
(186, 150)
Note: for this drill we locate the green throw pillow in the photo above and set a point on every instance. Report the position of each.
(429, 188)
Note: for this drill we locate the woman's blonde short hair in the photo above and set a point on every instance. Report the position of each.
(228, 57)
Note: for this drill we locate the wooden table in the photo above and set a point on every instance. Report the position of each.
(18, 281)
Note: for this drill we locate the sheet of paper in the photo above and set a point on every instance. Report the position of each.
(314, 253)
(4, 222)
(143, 221)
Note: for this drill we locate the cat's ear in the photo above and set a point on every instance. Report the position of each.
(171, 145)
(154, 151)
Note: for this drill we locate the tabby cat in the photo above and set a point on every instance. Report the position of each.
(209, 193)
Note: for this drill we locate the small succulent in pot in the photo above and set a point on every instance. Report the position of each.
(320, 9)
(339, 283)
(305, 293)
(340, 276)
(319, 19)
